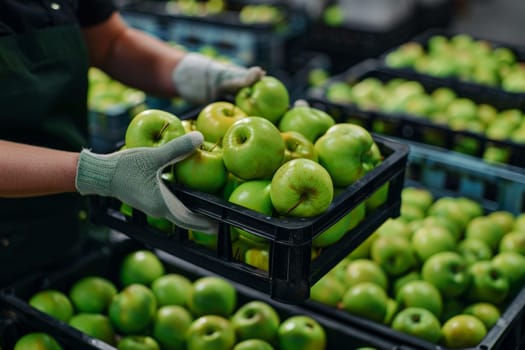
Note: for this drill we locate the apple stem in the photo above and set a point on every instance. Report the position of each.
(164, 127)
(301, 200)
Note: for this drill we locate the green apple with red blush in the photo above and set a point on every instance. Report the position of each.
(133, 309)
(463, 331)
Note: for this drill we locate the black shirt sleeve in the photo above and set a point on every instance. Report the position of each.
(92, 12)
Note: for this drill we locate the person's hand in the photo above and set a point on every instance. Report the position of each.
(200, 79)
(134, 177)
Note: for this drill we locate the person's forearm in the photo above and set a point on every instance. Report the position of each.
(134, 57)
(27, 171)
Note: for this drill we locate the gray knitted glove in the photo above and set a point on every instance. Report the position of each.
(134, 177)
(200, 79)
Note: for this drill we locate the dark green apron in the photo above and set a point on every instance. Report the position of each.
(43, 88)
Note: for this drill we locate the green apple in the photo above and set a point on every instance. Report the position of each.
(253, 344)
(92, 294)
(394, 227)
(171, 289)
(393, 254)
(448, 271)
(297, 146)
(333, 15)
(133, 309)
(301, 332)
(442, 221)
(503, 218)
(254, 195)
(318, 76)
(212, 295)
(418, 322)
(141, 266)
(310, 122)
(267, 98)
(203, 170)
(37, 340)
(512, 265)
(364, 270)
(422, 294)
(400, 281)
(449, 208)
(210, 332)
(153, 128)
(95, 325)
(392, 308)
(410, 212)
(253, 148)
(256, 319)
(215, 118)
(513, 241)
(53, 302)
(334, 233)
(242, 244)
(329, 290)
(417, 196)
(474, 250)
(346, 151)
(488, 313)
(485, 229)
(429, 240)
(137, 342)
(367, 300)
(170, 325)
(463, 331)
(378, 198)
(258, 258)
(301, 188)
(339, 92)
(488, 283)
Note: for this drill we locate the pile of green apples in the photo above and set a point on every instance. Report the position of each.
(261, 14)
(196, 7)
(260, 153)
(150, 307)
(441, 106)
(106, 94)
(462, 57)
(443, 271)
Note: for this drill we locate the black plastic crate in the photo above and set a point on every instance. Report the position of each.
(21, 318)
(291, 269)
(495, 188)
(416, 128)
(350, 43)
(494, 92)
(263, 44)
